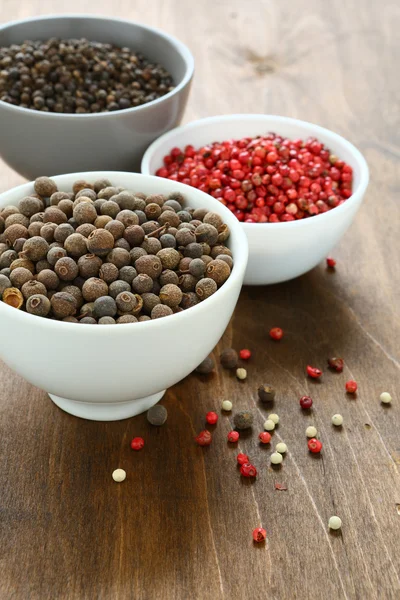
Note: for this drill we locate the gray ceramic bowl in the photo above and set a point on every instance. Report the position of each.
(37, 143)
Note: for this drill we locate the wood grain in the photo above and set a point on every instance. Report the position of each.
(180, 526)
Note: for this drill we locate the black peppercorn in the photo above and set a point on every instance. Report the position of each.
(266, 393)
(206, 366)
(229, 358)
(243, 419)
(157, 415)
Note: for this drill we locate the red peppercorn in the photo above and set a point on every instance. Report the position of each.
(259, 535)
(336, 364)
(313, 372)
(306, 402)
(331, 262)
(233, 437)
(351, 387)
(137, 443)
(245, 354)
(204, 438)
(242, 459)
(314, 445)
(211, 418)
(264, 437)
(276, 333)
(248, 470)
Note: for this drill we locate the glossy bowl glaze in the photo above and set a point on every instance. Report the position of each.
(277, 251)
(34, 143)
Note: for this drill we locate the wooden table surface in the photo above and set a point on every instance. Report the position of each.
(180, 526)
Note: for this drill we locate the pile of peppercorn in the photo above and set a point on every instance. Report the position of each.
(102, 254)
(78, 76)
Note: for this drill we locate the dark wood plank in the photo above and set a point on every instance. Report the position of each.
(180, 526)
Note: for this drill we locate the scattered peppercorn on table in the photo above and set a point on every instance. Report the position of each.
(306, 502)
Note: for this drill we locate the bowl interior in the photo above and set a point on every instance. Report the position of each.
(154, 44)
(206, 131)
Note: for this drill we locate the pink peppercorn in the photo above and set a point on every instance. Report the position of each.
(233, 437)
(351, 387)
(137, 443)
(204, 438)
(259, 535)
(314, 445)
(306, 402)
(336, 364)
(242, 459)
(276, 333)
(264, 437)
(331, 263)
(245, 354)
(248, 470)
(211, 418)
(313, 372)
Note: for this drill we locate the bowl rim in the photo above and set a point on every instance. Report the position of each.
(179, 46)
(238, 271)
(314, 130)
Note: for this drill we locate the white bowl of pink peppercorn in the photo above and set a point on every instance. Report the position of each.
(285, 249)
(118, 371)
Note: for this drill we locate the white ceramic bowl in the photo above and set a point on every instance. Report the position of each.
(277, 251)
(112, 372)
(35, 143)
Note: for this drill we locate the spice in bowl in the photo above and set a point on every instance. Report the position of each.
(79, 76)
(268, 178)
(101, 254)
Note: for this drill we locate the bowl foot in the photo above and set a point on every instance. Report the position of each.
(102, 411)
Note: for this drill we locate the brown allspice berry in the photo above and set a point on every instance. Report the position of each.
(81, 184)
(3, 247)
(85, 229)
(66, 268)
(161, 310)
(171, 295)
(19, 276)
(207, 233)
(144, 318)
(107, 192)
(67, 207)
(102, 221)
(226, 258)
(116, 287)
(119, 257)
(116, 228)
(266, 392)
(197, 267)
(152, 210)
(167, 240)
(100, 184)
(122, 243)
(149, 265)
(63, 305)
(47, 232)
(127, 319)
(106, 321)
(213, 219)
(185, 236)
(49, 279)
(2, 224)
(109, 272)
(158, 199)
(53, 214)
(176, 196)
(218, 270)
(184, 264)
(125, 200)
(25, 263)
(8, 210)
(189, 299)
(34, 228)
(110, 208)
(37, 217)
(76, 245)
(169, 258)
(54, 254)
(219, 249)
(150, 227)
(62, 232)
(188, 283)
(136, 253)
(87, 310)
(126, 302)
(18, 244)
(12, 233)
(75, 292)
(152, 245)
(17, 219)
(188, 226)
(156, 287)
(44, 186)
(85, 212)
(41, 265)
(206, 366)
(4, 283)
(81, 200)
(7, 258)
(206, 249)
(223, 233)
(87, 193)
(32, 287)
(35, 248)
(29, 205)
(13, 297)
(172, 205)
(104, 306)
(194, 250)
(88, 321)
(150, 300)
(127, 274)
(142, 283)
(56, 198)
(170, 217)
(157, 415)
(39, 305)
(70, 320)
(229, 358)
(168, 276)
(100, 242)
(184, 216)
(94, 288)
(139, 305)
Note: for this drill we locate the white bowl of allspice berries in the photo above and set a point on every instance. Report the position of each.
(114, 286)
